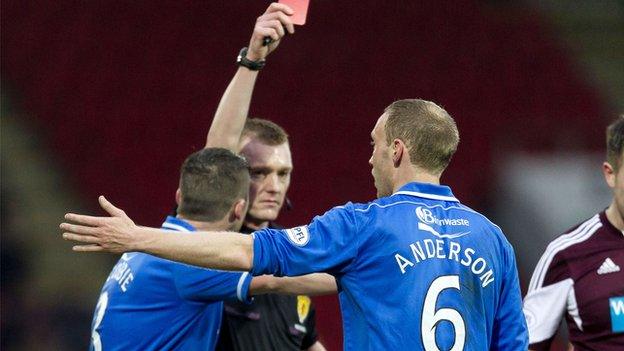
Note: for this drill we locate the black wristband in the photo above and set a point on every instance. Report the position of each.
(242, 60)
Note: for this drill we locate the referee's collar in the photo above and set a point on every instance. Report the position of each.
(177, 224)
(427, 191)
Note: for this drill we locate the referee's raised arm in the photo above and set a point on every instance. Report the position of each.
(229, 120)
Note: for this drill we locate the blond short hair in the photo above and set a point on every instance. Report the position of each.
(428, 131)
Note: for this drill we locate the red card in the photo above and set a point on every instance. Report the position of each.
(301, 10)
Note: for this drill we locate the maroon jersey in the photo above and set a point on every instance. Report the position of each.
(579, 276)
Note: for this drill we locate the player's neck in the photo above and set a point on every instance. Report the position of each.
(413, 174)
(615, 216)
(216, 226)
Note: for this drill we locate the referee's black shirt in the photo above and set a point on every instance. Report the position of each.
(271, 322)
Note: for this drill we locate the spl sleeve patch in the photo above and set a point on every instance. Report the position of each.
(299, 236)
(616, 305)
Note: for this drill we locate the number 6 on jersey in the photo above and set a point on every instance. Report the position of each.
(431, 317)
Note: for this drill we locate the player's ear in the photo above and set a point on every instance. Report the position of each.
(398, 149)
(178, 197)
(240, 209)
(609, 173)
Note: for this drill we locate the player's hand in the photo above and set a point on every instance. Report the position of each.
(274, 23)
(101, 234)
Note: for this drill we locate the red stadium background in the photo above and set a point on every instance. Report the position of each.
(122, 92)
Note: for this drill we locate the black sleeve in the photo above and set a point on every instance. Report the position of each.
(311, 337)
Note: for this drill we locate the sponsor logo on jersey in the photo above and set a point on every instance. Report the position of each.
(426, 216)
(298, 235)
(616, 305)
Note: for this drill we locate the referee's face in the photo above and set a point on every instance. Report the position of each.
(269, 167)
(380, 160)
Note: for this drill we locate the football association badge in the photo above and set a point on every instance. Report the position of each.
(303, 307)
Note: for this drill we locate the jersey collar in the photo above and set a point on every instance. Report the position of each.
(609, 226)
(177, 224)
(427, 191)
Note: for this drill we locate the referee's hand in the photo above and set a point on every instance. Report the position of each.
(274, 23)
(115, 234)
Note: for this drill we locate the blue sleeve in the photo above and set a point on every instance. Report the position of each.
(201, 284)
(510, 329)
(328, 244)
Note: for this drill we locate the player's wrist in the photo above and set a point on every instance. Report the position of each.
(143, 240)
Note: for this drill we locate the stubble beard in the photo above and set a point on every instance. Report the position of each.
(261, 218)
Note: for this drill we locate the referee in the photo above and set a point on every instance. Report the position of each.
(271, 321)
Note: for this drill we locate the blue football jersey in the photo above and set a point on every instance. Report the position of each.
(416, 271)
(149, 303)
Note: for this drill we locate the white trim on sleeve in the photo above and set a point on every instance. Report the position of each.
(580, 234)
(239, 287)
(573, 310)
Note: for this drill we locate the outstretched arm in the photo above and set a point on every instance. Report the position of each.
(327, 244)
(118, 233)
(217, 250)
(233, 108)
